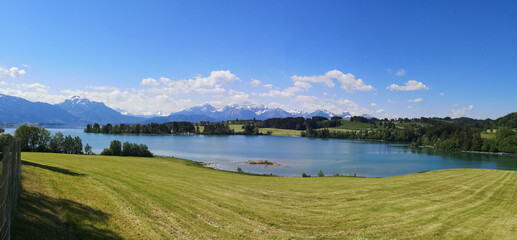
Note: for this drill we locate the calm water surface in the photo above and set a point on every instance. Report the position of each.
(297, 155)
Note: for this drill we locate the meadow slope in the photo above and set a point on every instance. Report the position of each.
(103, 197)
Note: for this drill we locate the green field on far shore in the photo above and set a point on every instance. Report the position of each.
(107, 197)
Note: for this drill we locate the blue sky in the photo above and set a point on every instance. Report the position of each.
(149, 57)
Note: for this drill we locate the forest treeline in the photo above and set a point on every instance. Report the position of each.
(35, 139)
(464, 134)
(209, 128)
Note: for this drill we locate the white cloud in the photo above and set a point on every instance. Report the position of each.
(239, 97)
(210, 84)
(441, 94)
(380, 111)
(411, 85)
(32, 85)
(348, 81)
(348, 103)
(462, 112)
(255, 82)
(13, 72)
(268, 85)
(150, 82)
(288, 92)
(134, 101)
(314, 79)
(400, 72)
(3, 83)
(32, 92)
(415, 100)
(373, 104)
(102, 88)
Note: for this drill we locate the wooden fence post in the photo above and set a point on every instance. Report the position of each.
(9, 187)
(4, 192)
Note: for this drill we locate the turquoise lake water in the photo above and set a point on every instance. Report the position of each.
(297, 155)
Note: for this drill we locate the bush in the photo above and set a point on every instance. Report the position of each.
(5, 139)
(128, 149)
(321, 174)
(116, 148)
(305, 175)
(106, 152)
(88, 150)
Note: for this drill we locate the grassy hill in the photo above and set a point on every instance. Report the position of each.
(103, 197)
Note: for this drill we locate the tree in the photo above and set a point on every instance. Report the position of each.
(57, 142)
(32, 138)
(115, 148)
(321, 174)
(5, 139)
(68, 145)
(88, 128)
(43, 139)
(88, 149)
(78, 146)
(127, 149)
(105, 152)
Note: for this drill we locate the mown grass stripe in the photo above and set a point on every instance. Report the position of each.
(172, 198)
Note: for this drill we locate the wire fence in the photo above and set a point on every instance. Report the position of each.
(10, 186)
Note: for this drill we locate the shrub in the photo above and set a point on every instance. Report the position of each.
(305, 175)
(116, 148)
(88, 149)
(106, 152)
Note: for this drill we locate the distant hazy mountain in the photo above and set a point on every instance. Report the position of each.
(95, 112)
(209, 113)
(19, 110)
(81, 111)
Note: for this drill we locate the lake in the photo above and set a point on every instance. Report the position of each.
(297, 155)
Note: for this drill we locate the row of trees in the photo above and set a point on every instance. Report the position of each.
(127, 149)
(386, 134)
(217, 128)
(458, 135)
(468, 138)
(152, 128)
(301, 123)
(34, 139)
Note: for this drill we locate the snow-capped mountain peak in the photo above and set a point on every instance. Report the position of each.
(207, 112)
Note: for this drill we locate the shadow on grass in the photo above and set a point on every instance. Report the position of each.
(43, 217)
(54, 169)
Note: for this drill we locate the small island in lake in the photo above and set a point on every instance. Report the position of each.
(262, 162)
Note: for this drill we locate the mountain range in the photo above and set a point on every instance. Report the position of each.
(81, 110)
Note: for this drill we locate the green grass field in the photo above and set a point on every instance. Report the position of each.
(103, 197)
(236, 127)
(281, 132)
(346, 124)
